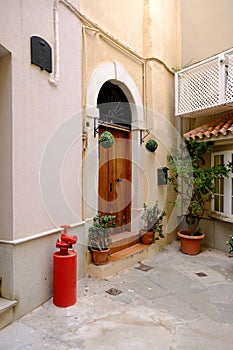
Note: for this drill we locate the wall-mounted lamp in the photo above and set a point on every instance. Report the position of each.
(41, 53)
(142, 138)
(162, 175)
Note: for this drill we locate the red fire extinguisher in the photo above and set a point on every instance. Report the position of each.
(64, 270)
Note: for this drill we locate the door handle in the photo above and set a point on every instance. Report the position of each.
(119, 179)
(110, 187)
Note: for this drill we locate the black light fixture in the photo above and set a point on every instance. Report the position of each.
(162, 175)
(41, 53)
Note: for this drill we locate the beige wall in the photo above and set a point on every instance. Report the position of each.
(148, 27)
(207, 28)
(154, 36)
(164, 30)
(121, 18)
(151, 30)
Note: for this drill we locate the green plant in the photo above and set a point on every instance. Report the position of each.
(151, 145)
(106, 139)
(153, 219)
(230, 243)
(99, 233)
(193, 181)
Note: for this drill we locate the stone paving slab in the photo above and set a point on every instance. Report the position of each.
(168, 307)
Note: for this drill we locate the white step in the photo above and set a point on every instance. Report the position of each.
(6, 304)
(6, 311)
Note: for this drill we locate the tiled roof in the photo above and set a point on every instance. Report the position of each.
(220, 126)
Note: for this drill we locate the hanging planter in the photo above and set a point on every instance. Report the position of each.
(151, 145)
(106, 139)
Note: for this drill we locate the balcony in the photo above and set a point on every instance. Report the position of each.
(206, 87)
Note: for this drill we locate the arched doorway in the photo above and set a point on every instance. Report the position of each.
(115, 73)
(115, 164)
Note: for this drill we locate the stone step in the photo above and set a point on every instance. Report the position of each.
(123, 240)
(6, 304)
(121, 260)
(6, 311)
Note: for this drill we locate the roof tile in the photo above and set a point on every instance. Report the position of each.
(219, 126)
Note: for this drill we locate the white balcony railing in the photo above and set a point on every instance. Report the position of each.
(205, 87)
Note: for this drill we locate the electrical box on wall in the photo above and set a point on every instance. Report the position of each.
(162, 176)
(41, 53)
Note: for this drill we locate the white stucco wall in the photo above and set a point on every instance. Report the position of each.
(41, 148)
(39, 108)
(6, 205)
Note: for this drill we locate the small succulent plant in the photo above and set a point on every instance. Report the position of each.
(151, 145)
(106, 139)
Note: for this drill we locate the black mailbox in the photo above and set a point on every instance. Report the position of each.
(162, 175)
(41, 53)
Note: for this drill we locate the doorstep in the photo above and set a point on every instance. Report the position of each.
(6, 311)
(121, 260)
(123, 240)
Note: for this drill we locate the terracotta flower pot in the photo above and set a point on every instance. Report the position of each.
(100, 257)
(147, 237)
(190, 245)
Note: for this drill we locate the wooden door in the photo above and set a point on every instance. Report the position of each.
(115, 170)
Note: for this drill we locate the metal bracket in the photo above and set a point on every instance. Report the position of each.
(96, 127)
(142, 138)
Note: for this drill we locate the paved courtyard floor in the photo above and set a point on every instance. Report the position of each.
(168, 302)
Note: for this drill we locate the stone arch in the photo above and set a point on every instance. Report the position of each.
(115, 73)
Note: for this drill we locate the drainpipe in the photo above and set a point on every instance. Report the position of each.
(54, 79)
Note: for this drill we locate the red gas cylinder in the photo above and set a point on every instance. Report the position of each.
(65, 270)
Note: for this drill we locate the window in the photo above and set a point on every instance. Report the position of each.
(223, 198)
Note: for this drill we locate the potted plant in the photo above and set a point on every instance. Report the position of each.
(153, 223)
(99, 239)
(194, 183)
(151, 145)
(106, 139)
(230, 243)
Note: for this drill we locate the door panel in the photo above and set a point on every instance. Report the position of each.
(115, 170)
